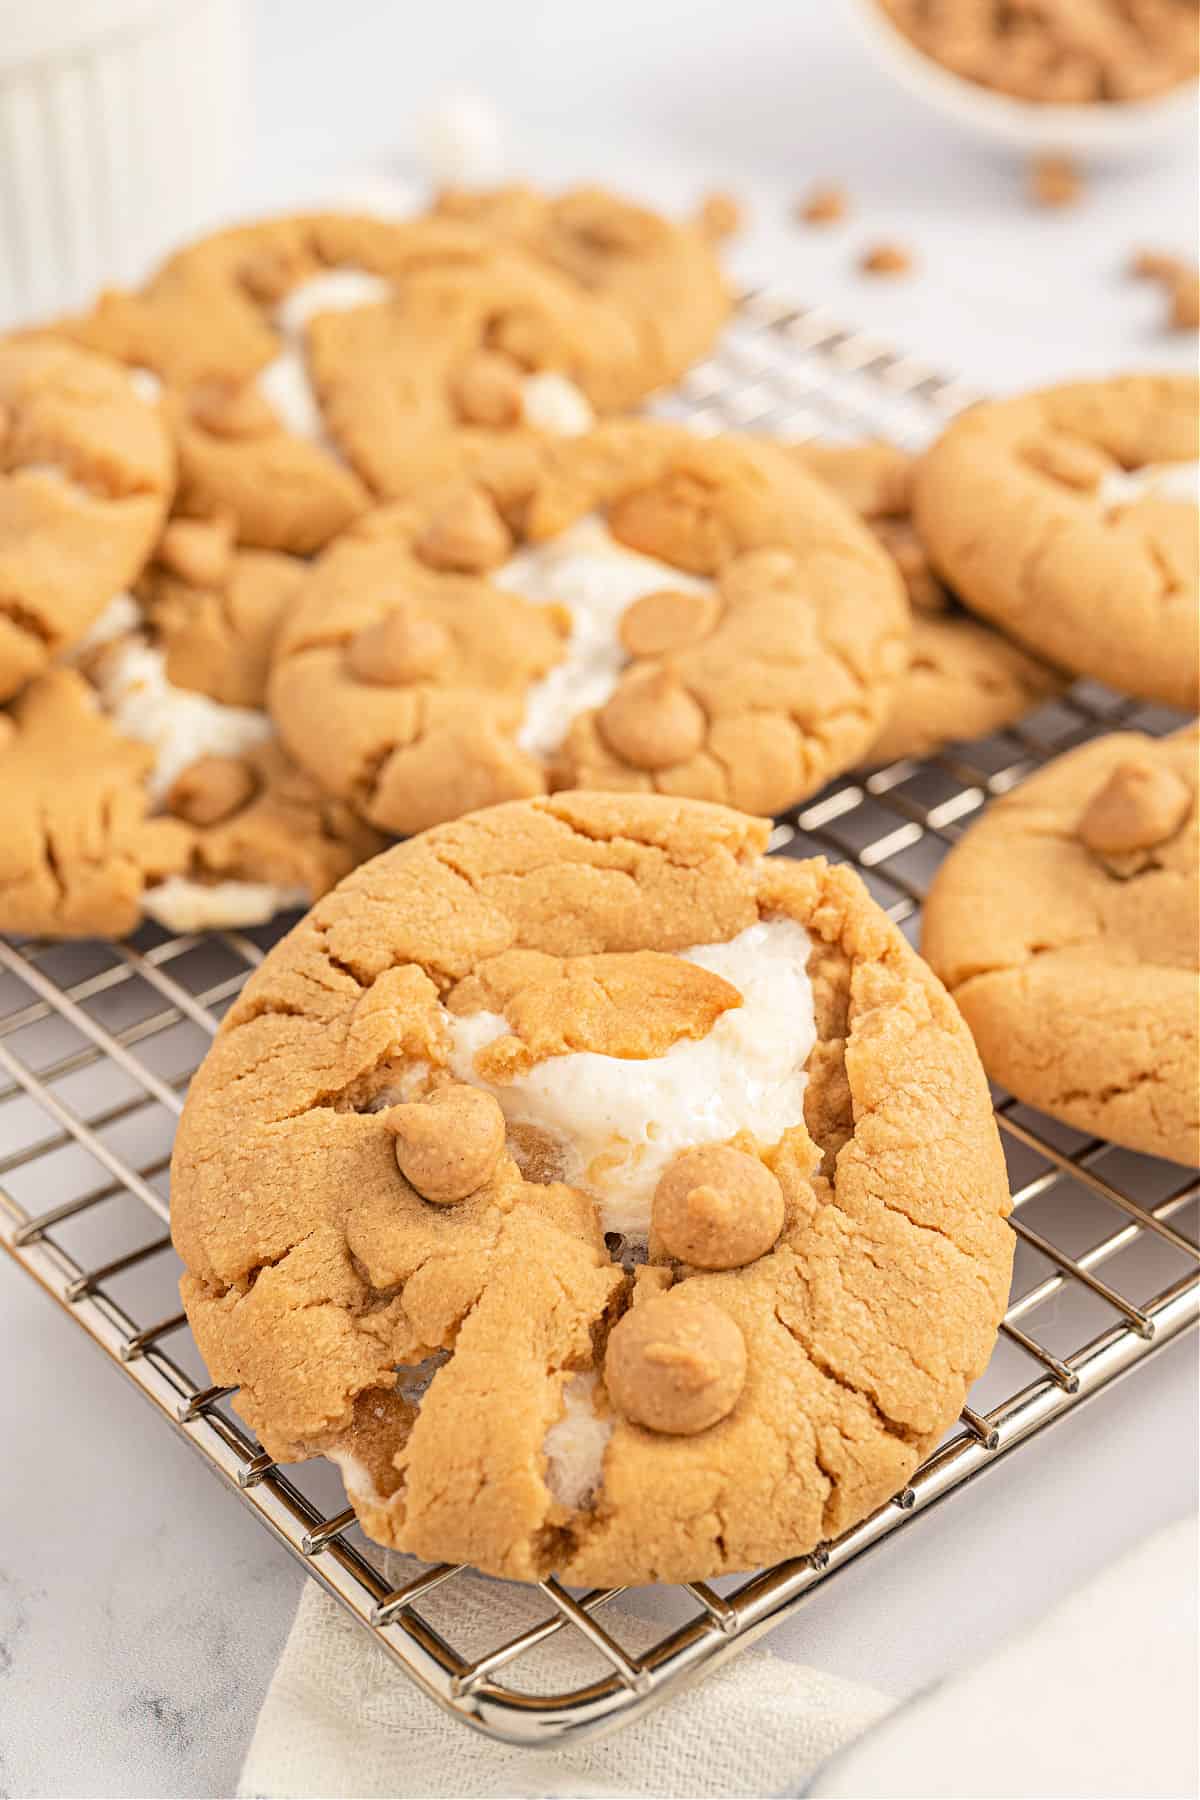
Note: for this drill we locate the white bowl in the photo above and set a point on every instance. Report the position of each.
(1099, 131)
(120, 127)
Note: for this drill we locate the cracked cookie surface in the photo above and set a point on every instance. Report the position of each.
(1066, 924)
(636, 609)
(145, 780)
(1057, 516)
(86, 473)
(500, 1381)
(964, 678)
(317, 363)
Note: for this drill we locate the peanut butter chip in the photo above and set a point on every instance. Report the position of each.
(717, 1208)
(720, 215)
(232, 412)
(675, 1364)
(652, 721)
(465, 533)
(211, 789)
(1140, 805)
(199, 551)
(666, 620)
(402, 648)
(487, 389)
(449, 1145)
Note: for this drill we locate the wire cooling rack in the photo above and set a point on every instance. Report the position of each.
(97, 1042)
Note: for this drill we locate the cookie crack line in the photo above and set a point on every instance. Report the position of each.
(904, 1434)
(29, 623)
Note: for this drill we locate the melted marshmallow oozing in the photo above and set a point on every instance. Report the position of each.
(620, 1121)
(1156, 481)
(179, 905)
(180, 725)
(575, 1444)
(549, 401)
(586, 570)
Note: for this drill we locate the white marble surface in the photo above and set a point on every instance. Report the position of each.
(141, 1609)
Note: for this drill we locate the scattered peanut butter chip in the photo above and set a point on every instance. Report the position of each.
(720, 215)
(487, 389)
(448, 1146)
(665, 620)
(652, 721)
(824, 204)
(886, 259)
(1141, 804)
(232, 412)
(1156, 265)
(199, 551)
(1054, 180)
(717, 1208)
(402, 648)
(466, 533)
(211, 789)
(675, 1364)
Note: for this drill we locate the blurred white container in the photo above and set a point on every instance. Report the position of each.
(121, 127)
(1099, 132)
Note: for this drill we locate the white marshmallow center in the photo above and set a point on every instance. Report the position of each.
(620, 1121)
(575, 1445)
(586, 570)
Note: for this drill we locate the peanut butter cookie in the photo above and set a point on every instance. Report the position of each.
(964, 679)
(1068, 517)
(637, 609)
(1066, 925)
(145, 780)
(315, 364)
(605, 1197)
(86, 473)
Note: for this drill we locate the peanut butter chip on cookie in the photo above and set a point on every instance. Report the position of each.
(652, 721)
(402, 648)
(199, 551)
(666, 620)
(487, 389)
(211, 789)
(449, 1145)
(232, 412)
(1140, 805)
(717, 1208)
(675, 1364)
(466, 533)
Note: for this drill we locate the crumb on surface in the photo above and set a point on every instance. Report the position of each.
(1180, 281)
(824, 204)
(887, 259)
(1054, 180)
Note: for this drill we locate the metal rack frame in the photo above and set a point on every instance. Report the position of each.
(97, 1042)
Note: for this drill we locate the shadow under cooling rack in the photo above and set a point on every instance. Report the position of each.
(98, 1041)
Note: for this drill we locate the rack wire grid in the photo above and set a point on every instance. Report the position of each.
(98, 1040)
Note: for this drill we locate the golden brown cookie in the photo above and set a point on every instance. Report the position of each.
(1066, 925)
(964, 678)
(317, 363)
(86, 472)
(146, 780)
(507, 1361)
(638, 609)
(1056, 516)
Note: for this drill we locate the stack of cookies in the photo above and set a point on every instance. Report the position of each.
(604, 1196)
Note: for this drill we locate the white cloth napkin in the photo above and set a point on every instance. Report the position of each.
(1098, 1700)
(340, 1718)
